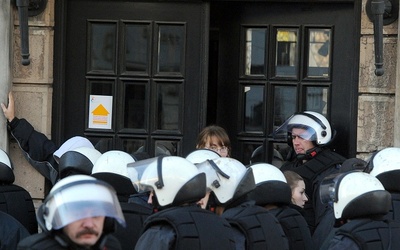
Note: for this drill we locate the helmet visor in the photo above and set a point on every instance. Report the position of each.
(82, 201)
(213, 174)
(141, 182)
(328, 188)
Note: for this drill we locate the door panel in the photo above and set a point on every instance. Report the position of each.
(144, 55)
(279, 58)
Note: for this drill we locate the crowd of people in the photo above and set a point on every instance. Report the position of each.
(316, 199)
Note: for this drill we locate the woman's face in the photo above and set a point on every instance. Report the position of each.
(216, 145)
(299, 196)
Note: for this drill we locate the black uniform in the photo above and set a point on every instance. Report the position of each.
(11, 232)
(186, 227)
(295, 227)
(313, 171)
(260, 228)
(367, 234)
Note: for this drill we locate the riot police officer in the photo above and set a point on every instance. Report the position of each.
(361, 201)
(179, 223)
(309, 133)
(80, 212)
(230, 182)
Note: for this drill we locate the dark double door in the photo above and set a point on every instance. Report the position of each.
(164, 70)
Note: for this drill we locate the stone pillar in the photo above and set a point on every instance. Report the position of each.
(5, 65)
(396, 133)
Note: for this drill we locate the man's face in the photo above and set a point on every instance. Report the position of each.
(85, 232)
(301, 145)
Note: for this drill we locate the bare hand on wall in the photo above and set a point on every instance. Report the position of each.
(8, 110)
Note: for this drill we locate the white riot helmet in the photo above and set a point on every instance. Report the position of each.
(201, 155)
(112, 167)
(271, 185)
(71, 144)
(6, 169)
(227, 178)
(173, 179)
(78, 161)
(385, 165)
(316, 125)
(77, 197)
(355, 194)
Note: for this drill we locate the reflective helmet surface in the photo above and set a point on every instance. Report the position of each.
(78, 161)
(227, 178)
(346, 188)
(77, 197)
(6, 169)
(267, 172)
(114, 161)
(385, 165)
(271, 185)
(173, 179)
(385, 160)
(70, 144)
(201, 155)
(317, 126)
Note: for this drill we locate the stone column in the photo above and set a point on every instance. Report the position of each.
(396, 132)
(5, 65)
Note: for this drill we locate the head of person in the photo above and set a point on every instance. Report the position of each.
(271, 186)
(70, 144)
(196, 157)
(172, 180)
(228, 180)
(78, 161)
(112, 167)
(6, 169)
(215, 138)
(298, 188)
(308, 131)
(355, 194)
(385, 165)
(80, 211)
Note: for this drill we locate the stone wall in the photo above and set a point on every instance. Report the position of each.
(32, 88)
(376, 104)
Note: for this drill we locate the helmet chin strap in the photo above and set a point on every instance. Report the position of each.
(309, 154)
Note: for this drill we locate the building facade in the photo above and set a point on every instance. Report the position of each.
(163, 94)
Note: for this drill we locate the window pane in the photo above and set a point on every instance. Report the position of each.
(254, 111)
(317, 99)
(134, 145)
(319, 53)
(101, 87)
(255, 51)
(285, 100)
(102, 46)
(171, 44)
(253, 152)
(286, 63)
(166, 148)
(168, 100)
(135, 106)
(137, 54)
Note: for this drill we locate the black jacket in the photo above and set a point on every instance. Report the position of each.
(37, 148)
(11, 232)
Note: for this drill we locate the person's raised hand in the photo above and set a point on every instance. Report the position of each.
(8, 110)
